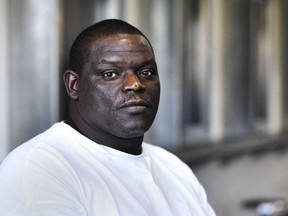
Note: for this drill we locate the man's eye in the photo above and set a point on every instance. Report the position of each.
(109, 74)
(146, 72)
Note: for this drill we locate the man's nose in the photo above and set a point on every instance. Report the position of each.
(132, 83)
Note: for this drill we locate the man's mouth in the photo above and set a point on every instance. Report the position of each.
(136, 106)
(132, 103)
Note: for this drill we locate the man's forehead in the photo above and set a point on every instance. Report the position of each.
(125, 56)
(122, 43)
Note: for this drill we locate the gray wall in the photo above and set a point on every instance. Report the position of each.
(29, 67)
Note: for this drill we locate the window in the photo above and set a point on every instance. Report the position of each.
(235, 73)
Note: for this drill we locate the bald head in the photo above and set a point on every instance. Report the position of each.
(80, 53)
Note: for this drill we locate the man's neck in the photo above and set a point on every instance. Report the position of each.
(127, 145)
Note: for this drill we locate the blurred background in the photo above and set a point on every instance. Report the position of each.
(223, 69)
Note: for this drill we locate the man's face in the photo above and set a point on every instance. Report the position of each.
(119, 89)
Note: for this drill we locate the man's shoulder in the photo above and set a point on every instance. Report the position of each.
(38, 157)
(23, 151)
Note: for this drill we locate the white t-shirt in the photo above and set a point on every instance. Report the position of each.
(62, 173)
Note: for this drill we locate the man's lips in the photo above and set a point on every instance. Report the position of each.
(135, 103)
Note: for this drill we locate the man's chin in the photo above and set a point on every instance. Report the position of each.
(132, 127)
(132, 133)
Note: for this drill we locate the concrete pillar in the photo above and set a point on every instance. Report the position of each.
(4, 81)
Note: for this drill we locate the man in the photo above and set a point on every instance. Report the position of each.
(95, 163)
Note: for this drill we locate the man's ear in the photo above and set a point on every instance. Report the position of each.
(71, 80)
